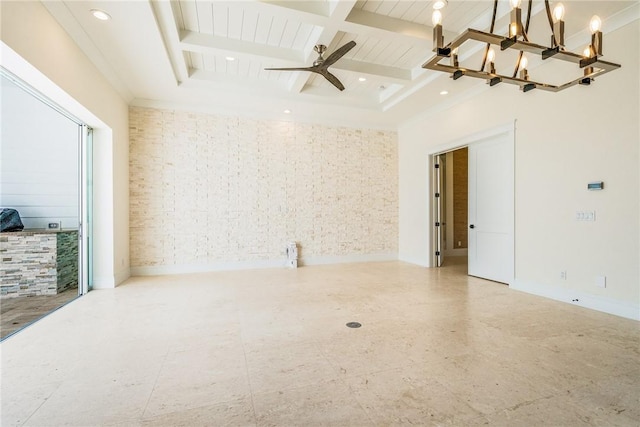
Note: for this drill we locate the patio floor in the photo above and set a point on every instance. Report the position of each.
(16, 313)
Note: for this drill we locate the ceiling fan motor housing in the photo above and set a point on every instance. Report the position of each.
(320, 48)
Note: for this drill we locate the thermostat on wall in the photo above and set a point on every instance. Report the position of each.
(595, 185)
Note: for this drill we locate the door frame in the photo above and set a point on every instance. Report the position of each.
(432, 152)
(85, 209)
(438, 208)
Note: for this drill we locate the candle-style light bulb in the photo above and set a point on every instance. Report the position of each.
(596, 35)
(436, 18)
(515, 21)
(454, 57)
(438, 37)
(596, 24)
(513, 29)
(558, 12)
(557, 40)
(524, 74)
(587, 52)
(491, 55)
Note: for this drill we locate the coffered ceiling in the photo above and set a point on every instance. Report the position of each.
(213, 54)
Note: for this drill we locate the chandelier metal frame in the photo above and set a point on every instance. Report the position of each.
(591, 64)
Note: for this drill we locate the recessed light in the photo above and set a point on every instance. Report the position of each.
(439, 4)
(362, 79)
(230, 58)
(444, 92)
(287, 111)
(100, 14)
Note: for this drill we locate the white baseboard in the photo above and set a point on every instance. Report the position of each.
(416, 261)
(110, 282)
(456, 252)
(607, 305)
(158, 270)
(105, 282)
(122, 275)
(343, 259)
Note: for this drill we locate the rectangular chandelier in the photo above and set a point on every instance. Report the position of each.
(589, 62)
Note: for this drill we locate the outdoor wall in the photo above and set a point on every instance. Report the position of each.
(215, 192)
(563, 141)
(39, 51)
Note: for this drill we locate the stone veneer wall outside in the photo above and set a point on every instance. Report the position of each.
(38, 263)
(67, 260)
(207, 189)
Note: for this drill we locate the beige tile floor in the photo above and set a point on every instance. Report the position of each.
(270, 347)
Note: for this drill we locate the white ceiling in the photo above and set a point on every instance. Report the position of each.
(174, 53)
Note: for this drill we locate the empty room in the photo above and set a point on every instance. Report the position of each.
(326, 212)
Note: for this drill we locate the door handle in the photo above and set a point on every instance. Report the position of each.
(472, 226)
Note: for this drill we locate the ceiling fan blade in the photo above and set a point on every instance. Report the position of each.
(331, 59)
(292, 69)
(332, 79)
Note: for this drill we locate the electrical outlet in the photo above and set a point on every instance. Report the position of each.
(459, 243)
(601, 281)
(54, 226)
(563, 275)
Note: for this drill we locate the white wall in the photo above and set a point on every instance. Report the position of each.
(563, 141)
(39, 160)
(38, 50)
(221, 192)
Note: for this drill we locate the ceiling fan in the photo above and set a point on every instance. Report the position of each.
(321, 65)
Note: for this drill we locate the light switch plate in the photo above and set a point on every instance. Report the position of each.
(585, 215)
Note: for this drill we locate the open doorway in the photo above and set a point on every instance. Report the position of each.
(44, 182)
(452, 206)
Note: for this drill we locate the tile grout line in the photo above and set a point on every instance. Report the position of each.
(155, 383)
(40, 406)
(246, 367)
(246, 364)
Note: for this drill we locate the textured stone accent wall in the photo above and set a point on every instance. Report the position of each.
(207, 189)
(67, 260)
(34, 263)
(460, 197)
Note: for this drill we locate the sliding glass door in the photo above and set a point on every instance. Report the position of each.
(46, 182)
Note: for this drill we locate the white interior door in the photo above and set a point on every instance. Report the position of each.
(491, 208)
